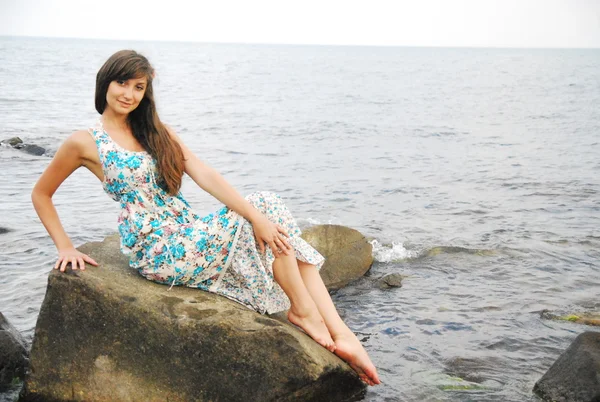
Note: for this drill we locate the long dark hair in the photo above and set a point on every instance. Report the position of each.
(144, 122)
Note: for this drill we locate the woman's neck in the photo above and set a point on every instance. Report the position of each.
(115, 120)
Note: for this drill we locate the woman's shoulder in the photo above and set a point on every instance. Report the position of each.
(80, 142)
(81, 138)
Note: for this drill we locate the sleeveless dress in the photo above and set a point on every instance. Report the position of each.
(168, 243)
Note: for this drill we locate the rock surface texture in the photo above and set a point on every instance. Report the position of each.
(31, 149)
(391, 281)
(13, 355)
(575, 376)
(348, 254)
(107, 334)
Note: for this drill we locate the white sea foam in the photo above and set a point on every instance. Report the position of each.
(312, 221)
(392, 252)
(306, 222)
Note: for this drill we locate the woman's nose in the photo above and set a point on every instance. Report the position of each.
(128, 93)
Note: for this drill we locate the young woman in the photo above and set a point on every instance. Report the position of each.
(249, 251)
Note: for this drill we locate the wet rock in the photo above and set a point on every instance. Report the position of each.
(31, 149)
(4, 230)
(450, 384)
(586, 318)
(106, 333)
(348, 254)
(14, 141)
(391, 281)
(575, 375)
(475, 370)
(13, 355)
(461, 385)
(435, 251)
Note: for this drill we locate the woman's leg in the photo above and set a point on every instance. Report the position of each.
(303, 312)
(348, 346)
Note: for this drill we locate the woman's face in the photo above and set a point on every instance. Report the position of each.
(123, 96)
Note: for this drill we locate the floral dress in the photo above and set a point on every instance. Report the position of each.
(167, 242)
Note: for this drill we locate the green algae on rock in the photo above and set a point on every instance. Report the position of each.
(585, 318)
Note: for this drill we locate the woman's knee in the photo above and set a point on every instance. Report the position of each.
(262, 199)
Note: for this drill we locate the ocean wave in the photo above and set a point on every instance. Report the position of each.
(397, 251)
(392, 252)
(432, 252)
(307, 222)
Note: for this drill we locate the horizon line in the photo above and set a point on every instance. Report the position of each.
(301, 44)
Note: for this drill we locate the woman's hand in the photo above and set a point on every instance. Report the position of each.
(272, 234)
(73, 256)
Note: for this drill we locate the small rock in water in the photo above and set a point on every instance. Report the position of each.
(32, 149)
(547, 315)
(13, 355)
(14, 141)
(3, 230)
(474, 369)
(392, 281)
(586, 318)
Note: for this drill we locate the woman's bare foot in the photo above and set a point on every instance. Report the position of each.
(349, 349)
(312, 323)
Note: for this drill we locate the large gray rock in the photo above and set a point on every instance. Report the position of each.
(348, 254)
(108, 334)
(13, 355)
(575, 376)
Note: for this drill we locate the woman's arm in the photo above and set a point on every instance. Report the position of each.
(67, 159)
(213, 183)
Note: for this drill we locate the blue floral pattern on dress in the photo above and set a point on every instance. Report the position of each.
(168, 243)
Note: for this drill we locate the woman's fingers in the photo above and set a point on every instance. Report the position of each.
(76, 260)
(284, 236)
(63, 265)
(89, 260)
(282, 246)
(277, 247)
(273, 247)
(286, 243)
(271, 235)
(282, 231)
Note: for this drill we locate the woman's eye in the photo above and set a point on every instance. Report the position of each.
(140, 88)
(120, 82)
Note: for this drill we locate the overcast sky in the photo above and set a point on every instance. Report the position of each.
(496, 23)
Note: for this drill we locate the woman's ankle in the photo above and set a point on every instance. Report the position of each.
(303, 311)
(344, 333)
